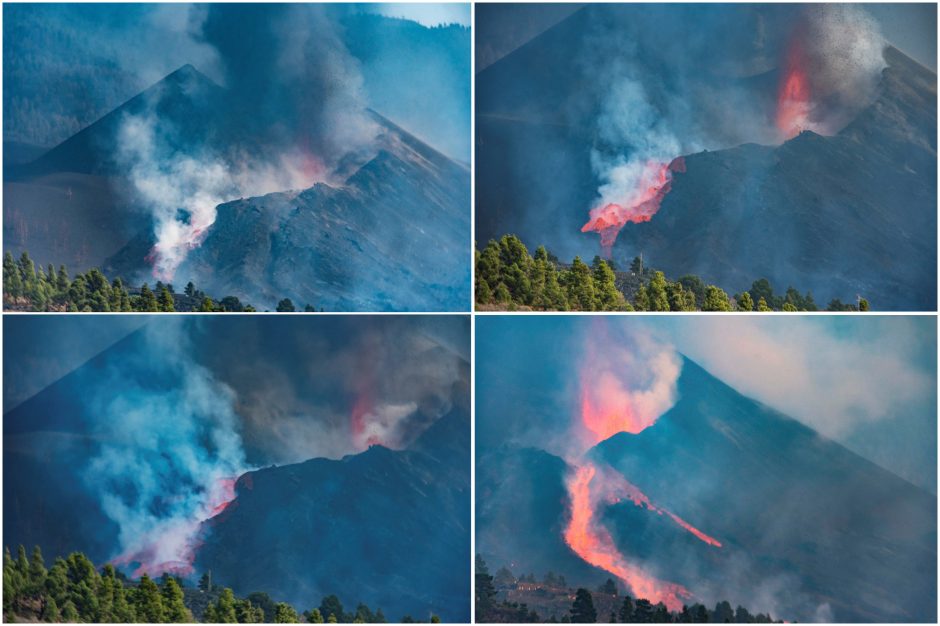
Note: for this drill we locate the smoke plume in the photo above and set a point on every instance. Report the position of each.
(169, 447)
(292, 114)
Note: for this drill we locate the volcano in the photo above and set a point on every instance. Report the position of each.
(846, 214)
(808, 530)
(299, 531)
(390, 234)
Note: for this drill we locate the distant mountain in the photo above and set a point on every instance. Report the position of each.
(394, 236)
(806, 526)
(387, 528)
(854, 213)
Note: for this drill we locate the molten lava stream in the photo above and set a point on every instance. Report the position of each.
(655, 182)
(591, 541)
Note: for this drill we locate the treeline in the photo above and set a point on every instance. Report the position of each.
(27, 286)
(507, 277)
(74, 591)
(583, 611)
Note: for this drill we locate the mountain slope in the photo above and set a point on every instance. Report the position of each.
(350, 527)
(849, 214)
(809, 530)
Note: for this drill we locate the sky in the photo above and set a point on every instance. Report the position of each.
(867, 382)
(426, 14)
(503, 27)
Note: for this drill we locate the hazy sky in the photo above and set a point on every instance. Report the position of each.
(501, 28)
(867, 382)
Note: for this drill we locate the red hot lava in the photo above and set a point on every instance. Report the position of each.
(174, 549)
(591, 541)
(793, 96)
(641, 206)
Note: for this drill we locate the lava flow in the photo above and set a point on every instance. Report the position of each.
(614, 399)
(793, 97)
(177, 540)
(591, 541)
(655, 182)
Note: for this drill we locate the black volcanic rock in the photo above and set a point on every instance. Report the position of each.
(388, 528)
(809, 530)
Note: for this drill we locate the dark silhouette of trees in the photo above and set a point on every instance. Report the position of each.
(582, 609)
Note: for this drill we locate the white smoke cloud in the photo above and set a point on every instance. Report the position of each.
(628, 380)
(169, 447)
(182, 191)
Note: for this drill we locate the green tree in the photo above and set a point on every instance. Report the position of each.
(659, 300)
(582, 609)
(606, 293)
(50, 611)
(176, 611)
(165, 301)
(636, 266)
(485, 591)
(745, 302)
(37, 573)
(863, 304)
(285, 614)
(789, 307)
(680, 299)
(190, 289)
(205, 582)
(69, 613)
(206, 306)
(285, 306)
(716, 299)
(147, 301)
(314, 617)
(148, 602)
(641, 300)
(761, 288)
(579, 284)
(330, 606)
(762, 306)
(225, 607)
(484, 294)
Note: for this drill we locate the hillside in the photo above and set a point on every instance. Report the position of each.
(809, 530)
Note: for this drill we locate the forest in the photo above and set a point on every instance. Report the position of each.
(28, 287)
(584, 606)
(73, 590)
(509, 278)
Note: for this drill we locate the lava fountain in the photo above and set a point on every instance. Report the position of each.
(654, 182)
(793, 96)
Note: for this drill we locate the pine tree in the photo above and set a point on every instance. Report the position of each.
(206, 306)
(579, 285)
(608, 296)
(225, 608)
(315, 617)
(659, 300)
(285, 614)
(176, 611)
(582, 610)
(50, 611)
(716, 299)
(485, 591)
(641, 300)
(37, 573)
(285, 306)
(147, 301)
(165, 301)
(762, 305)
(745, 302)
(148, 602)
(69, 613)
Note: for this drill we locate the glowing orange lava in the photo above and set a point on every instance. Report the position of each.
(793, 97)
(640, 206)
(591, 541)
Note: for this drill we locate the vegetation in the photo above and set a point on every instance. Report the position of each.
(73, 591)
(583, 609)
(508, 278)
(27, 287)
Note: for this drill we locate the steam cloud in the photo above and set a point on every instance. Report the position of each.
(293, 112)
(168, 442)
(627, 381)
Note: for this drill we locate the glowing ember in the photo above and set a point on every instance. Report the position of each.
(793, 98)
(593, 543)
(655, 182)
